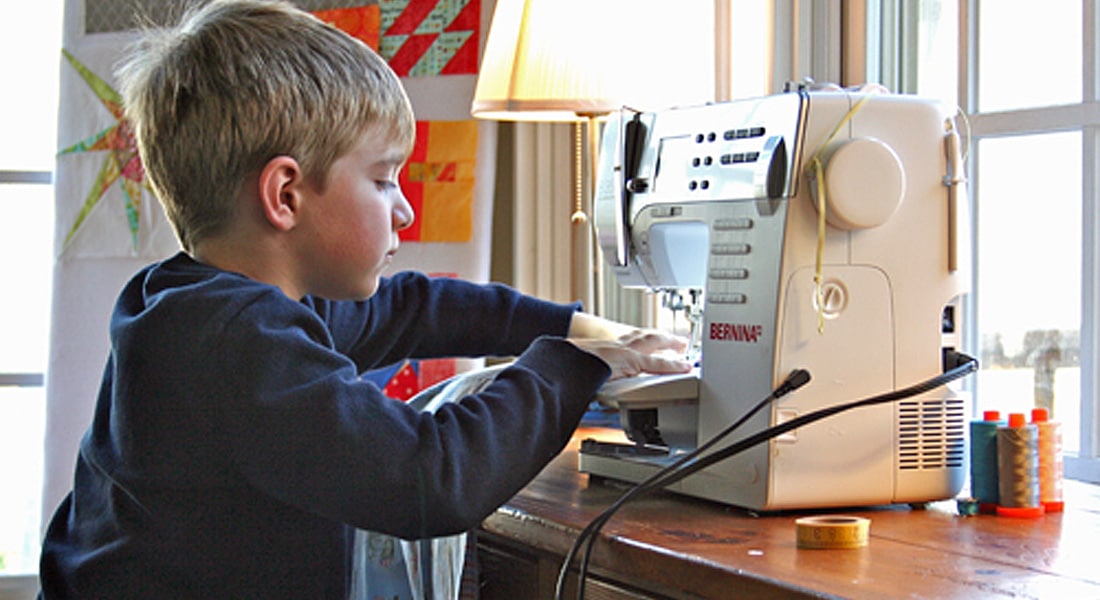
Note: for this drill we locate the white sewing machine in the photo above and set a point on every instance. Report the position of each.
(721, 198)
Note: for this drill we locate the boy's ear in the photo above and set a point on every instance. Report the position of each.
(280, 186)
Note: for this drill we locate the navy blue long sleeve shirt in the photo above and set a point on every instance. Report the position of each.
(234, 446)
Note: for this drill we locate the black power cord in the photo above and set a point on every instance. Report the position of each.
(795, 380)
(962, 365)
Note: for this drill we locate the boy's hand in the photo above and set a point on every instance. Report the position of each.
(639, 351)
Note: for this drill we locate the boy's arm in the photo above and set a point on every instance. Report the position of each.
(415, 316)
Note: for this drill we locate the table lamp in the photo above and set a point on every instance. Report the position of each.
(557, 61)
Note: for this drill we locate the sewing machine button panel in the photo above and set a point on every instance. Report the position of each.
(746, 132)
(734, 273)
(739, 157)
(737, 223)
(726, 249)
(664, 212)
(726, 298)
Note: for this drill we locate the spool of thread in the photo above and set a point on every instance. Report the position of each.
(983, 461)
(1050, 460)
(1018, 468)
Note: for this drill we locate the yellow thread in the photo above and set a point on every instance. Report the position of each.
(819, 291)
(818, 174)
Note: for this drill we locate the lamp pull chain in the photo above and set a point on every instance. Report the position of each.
(579, 217)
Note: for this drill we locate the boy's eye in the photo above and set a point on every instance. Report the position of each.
(386, 185)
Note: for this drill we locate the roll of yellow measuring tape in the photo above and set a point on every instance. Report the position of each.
(832, 531)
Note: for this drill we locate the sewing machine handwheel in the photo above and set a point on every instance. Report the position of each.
(864, 183)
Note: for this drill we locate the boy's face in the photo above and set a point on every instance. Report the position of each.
(353, 223)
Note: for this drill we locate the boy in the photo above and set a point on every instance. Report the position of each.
(234, 447)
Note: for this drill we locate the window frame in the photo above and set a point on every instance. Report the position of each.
(30, 167)
(1085, 118)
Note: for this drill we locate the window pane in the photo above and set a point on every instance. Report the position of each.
(1029, 54)
(26, 251)
(22, 426)
(937, 50)
(30, 41)
(1029, 276)
(748, 45)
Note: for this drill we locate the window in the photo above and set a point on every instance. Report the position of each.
(1034, 133)
(28, 115)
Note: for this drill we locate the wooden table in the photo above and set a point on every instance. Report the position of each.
(671, 546)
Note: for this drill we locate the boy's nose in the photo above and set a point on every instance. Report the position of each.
(403, 215)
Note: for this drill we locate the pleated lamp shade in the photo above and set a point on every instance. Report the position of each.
(567, 60)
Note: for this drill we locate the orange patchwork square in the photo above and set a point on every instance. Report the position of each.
(363, 23)
(439, 180)
(448, 207)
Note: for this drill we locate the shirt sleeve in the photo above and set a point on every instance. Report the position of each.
(304, 429)
(416, 316)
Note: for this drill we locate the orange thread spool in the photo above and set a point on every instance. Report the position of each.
(1050, 460)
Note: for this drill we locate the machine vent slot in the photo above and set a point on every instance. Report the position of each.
(931, 434)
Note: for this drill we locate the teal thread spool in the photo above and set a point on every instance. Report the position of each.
(984, 482)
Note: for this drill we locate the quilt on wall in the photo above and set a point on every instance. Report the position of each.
(116, 148)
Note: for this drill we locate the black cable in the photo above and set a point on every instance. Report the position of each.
(728, 451)
(796, 379)
(674, 472)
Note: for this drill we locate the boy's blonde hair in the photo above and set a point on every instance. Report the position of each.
(239, 82)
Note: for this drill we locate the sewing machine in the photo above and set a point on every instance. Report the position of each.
(739, 203)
